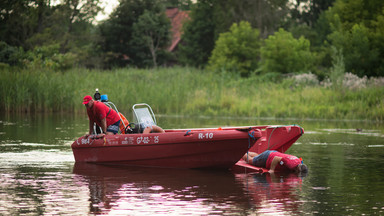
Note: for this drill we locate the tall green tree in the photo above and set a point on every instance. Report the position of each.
(38, 25)
(198, 35)
(17, 21)
(209, 18)
(21, 20)
(80, 12)
(307, 19)
(117, 32)
(308, 11)
(357, 32)
(237, 50)
(151, 34)
(265, 15)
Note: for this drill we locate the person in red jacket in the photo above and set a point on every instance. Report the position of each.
(276, 161)
(102, 115)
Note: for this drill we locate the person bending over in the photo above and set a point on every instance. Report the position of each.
(276, 161)
(102, 115)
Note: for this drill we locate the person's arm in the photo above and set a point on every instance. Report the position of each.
(104, 125)
(153, 129)
(91, 122)
(90, 127)
(274, 163)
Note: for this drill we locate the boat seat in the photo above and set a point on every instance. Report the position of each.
(143, 116)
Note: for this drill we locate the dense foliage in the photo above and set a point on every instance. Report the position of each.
(64, 34)
(45, 43)
(127, 34)
(237, 50)
(284, 54)
(357, 29)
(29, 26)
(198, 37)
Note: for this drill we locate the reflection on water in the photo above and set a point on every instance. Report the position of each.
(98, 189)
(273, 193)
(149, 191)
(127, 190)
(38, 175)
(34, 191)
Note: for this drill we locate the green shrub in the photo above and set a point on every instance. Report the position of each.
(49, 57)
(10, 55)
(236, 50)
(283, 53)
(4, 65)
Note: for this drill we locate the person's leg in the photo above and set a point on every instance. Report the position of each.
(248, 157)
(261, 159)
(253, 154)
(113, 129)
(157, 129)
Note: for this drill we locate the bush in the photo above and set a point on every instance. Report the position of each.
(283, 53)
(49, 57)
(10, 55)
(360, 57)
(237, 50)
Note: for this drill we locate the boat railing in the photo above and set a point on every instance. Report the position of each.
(143, 115)
(113, 106)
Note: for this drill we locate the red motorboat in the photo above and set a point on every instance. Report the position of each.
(182, 148)
(194, 148)
(185, 148)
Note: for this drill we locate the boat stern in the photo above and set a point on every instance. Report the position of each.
(279, 138)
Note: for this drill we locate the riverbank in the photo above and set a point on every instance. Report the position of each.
(189, 91)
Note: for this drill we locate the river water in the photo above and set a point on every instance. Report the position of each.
(38, 175)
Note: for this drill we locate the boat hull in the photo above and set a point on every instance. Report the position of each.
(185, 148)
(279, 138)
(199, 148)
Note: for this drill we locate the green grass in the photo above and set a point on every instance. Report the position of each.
(185, 91)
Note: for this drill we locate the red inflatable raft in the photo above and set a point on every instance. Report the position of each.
(181, 148)
(185, 148)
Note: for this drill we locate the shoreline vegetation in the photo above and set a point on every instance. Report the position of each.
(195, 92)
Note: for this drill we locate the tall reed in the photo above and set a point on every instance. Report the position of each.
(185, 91)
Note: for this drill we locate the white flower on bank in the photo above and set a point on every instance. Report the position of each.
(351, 81)
(348, 81)
(376, 81)
(307, 79)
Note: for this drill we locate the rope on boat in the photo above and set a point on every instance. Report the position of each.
(187, 133)
(250, 135)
